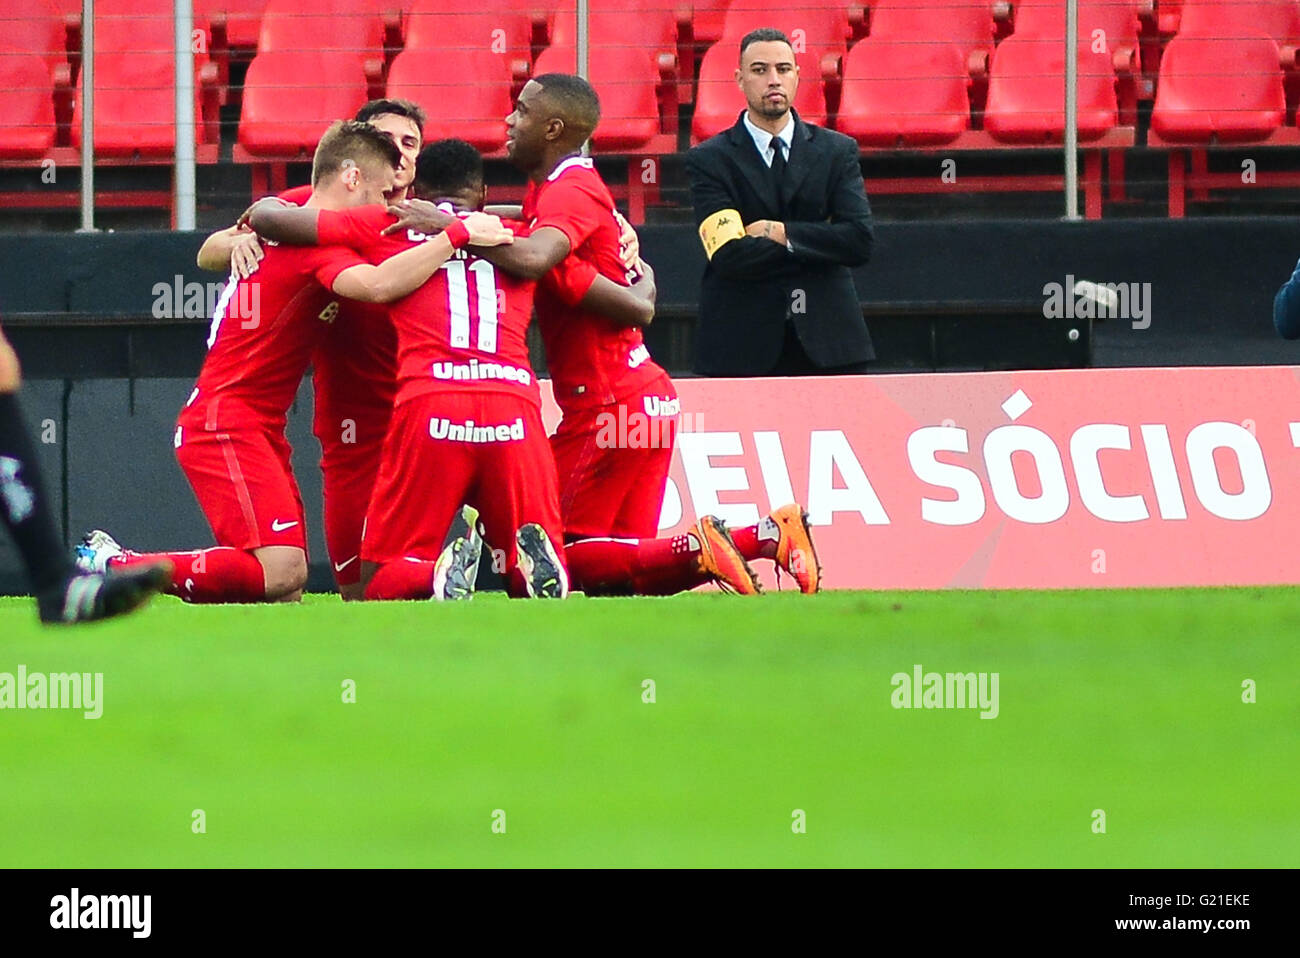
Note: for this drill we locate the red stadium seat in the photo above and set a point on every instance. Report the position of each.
(1215, 91)
(465, 91)
(1116, 19)
(1220, 89)
(291, 97)
(1026, 101)
(904, 94)
(495, 26)
(1279, 19)
(718, 101)
(354, 27)
(648, 25)
(37, 28)
(34, 27)
(968, 23)
(236, 22)
(707, 18)
(27, 128)
(1110, 26)
(135, 83)
(1169, 13)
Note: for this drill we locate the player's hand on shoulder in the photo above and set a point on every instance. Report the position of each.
(242, 222)
(245, 253)
(419, 215)
(629, 243)
(488, 230)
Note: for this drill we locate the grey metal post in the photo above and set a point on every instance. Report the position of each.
(1072, 109)
(87, 116)
(183, 177)
(583, 41)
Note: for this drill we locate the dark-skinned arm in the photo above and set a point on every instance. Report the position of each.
(528, 257)
(291, 225)
(626, 305)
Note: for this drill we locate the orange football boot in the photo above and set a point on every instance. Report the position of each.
(722, 561)
(795, 552)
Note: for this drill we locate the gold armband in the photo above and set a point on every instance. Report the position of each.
(719, 229)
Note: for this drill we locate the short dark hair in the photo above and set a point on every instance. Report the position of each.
(763, 35)
(448, 166)
(575, 99)
(405, 108)
(351, 140)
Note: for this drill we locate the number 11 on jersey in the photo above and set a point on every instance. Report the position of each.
(485, 295)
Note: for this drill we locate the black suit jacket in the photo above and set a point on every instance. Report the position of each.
(752, 285)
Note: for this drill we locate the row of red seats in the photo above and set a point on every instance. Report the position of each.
(899, 91)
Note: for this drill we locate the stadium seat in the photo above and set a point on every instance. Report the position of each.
(494, 26)
(27, 128)
(37, 28)
(968, 23)
(292, 96)
(904, 94)
(1026, 102)
(464, 90)
(135, 75)
(354, 27)
(647, 25)
(1217, 91)
(718, 101)
(1169, 14)
(1279, 19)
(233, 23)
(707, 17)
(1109, 26)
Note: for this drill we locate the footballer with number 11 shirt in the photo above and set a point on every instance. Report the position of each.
(466, 424)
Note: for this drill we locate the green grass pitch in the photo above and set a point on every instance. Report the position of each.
(531, 716)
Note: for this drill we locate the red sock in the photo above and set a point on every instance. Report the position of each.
(221, 574)
(757, 541)
(402, 579)
(635, 566)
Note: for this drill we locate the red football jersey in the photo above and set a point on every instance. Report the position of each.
(592, 360)
(263, 332)
(356, 365)
(466, 328)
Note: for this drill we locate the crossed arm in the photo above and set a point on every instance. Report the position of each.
(766, 248)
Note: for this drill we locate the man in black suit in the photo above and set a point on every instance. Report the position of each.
(783, 216)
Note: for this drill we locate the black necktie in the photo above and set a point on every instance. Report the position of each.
(778, 162)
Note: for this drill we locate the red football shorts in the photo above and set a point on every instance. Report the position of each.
(244, 483)
(354, 378)
(613, 464)
(446, 449)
